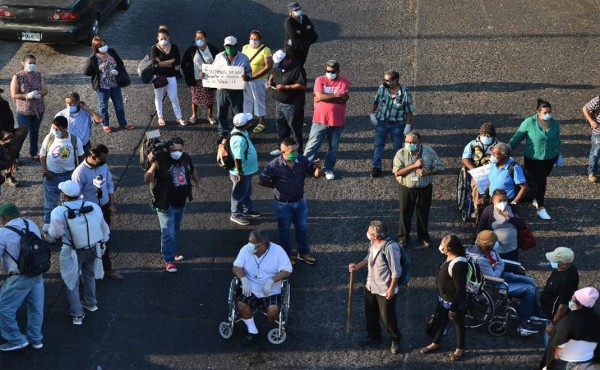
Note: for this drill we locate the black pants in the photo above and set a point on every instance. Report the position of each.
(376, 307)
(459, 325)
(540, 170)
(106, 262)
(300, 55)
(411, 199)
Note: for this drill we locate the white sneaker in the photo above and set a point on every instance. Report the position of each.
(78, 320)
(275, 152)
(543, 214)
(329, 175)
(534, 203)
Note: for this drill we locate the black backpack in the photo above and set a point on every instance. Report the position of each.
(529, 179)
(34, 256)
(404, 262)
(225, 159)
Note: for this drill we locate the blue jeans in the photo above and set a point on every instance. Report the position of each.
(51, 192)
(32, 122)
(382, 130)
(289, 119)
(117, 98)
(296, 213)
(170, 223)
(594, 154)
(241, 193)
(224, 100)
(524, 288)
(318, 132)
(86, 261)
(15, 290)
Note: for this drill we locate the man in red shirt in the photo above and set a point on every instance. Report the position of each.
(332, 92)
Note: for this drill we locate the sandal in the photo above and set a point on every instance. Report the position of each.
(129, 127)
(425, 350)
(182, 122)
(161, 122)
(106, 129)
(259, 128)
(455, 357)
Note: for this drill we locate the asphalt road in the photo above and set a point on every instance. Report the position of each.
(466, 61)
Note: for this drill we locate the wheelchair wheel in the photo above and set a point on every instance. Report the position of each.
(225, 330)
(285, 305)
(461, 189)
(275, 338)
(497, 328)
(479, 310)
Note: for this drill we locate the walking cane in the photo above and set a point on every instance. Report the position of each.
(349, 302)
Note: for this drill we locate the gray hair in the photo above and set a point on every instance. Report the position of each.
(333, 64)
(393, 74)
(380, 229)
(504, 148)
(261, 236)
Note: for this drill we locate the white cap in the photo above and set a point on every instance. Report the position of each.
(70, 188)
(230, 40)
(241, 119)
(278, 56)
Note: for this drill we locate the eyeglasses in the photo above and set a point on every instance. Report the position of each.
(328, 71)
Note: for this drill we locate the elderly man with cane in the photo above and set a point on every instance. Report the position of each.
(384, 272)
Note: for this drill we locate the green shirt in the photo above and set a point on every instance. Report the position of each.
(404, 158)
(539, 145)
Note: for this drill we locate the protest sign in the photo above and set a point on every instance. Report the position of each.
(481, 177)
(223, 77)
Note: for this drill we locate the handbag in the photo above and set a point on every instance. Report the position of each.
(123, 79)
(525, 238)
(160, 81)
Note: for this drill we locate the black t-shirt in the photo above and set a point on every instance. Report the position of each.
(155, 52)
(293, 74)
(7, 120)
(453, 288)
(559, 289)
(172, 186)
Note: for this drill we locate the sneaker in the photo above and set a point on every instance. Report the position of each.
(13, 346)
(252, 214)
(249, 339)
(90, 308)
(537, 318)
(307, 258)
(212, 121)
(37, 344)
(370, 342)
(11, 181)
(535, 203)
(275, 152)
(543, 214)
(592, 178)
(424, 244)
(525, 330)
(239, 220)
(375, 172)
(329, 175)
(78, 320)
(178, 257)
(182, 122)
(171, 267)
(395, 348)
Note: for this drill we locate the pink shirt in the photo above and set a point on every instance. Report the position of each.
(327, 113)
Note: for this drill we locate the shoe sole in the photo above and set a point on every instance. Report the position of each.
(239, 222)
(90, 309)
(251, 216)
(308, 262)
(17, 347)
(37, 346)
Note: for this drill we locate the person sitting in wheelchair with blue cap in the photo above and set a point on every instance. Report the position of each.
(261, 266)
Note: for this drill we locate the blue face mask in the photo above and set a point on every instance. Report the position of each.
(547, 116)
(571, 305)
(72, 109)
(486, 140)
(164, 42)
(200, 43)
(410, 147)
(58, 133)
(299, 13)
(554, 265)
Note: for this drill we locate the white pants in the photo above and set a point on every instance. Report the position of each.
(172, 92)
(254, 97)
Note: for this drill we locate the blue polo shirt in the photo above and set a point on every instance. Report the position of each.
(500, 178)
(238, 150)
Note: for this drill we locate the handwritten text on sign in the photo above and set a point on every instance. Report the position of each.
(223, 77)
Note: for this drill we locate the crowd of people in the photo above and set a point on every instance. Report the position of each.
(77, 181)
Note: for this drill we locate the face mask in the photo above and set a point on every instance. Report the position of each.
(368, 236)
(58, 133)
(299, 13)
(200, 43)
(254, 43)
(282, 66)
(176, 154)
(501, 206)
(330, 75)
(441, 249)
(72, 109)
(230, 50)
(103, 49)
(554, 265)
(493, 159)
(292, 156)
(411, 147)
(30, 67)
(486, 140)
(164, 42)
(547, 116)
(571, 305)
(496, 246)
(253, 248)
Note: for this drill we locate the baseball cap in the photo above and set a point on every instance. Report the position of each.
(9, 210)
(70, 188)
(293, 6)
(241, 119)
(230, 40)
(561, 254)
(278, 56)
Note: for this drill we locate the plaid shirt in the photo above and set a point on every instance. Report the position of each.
(396, 109)
(404, 158)
(593, 106)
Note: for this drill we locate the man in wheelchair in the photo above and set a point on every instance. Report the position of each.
(519, 286)
(260, 266)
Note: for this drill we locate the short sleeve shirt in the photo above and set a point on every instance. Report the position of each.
(390, 108)
(294, 74)
(179, 186)
(60, 157)
(238, 149)
(500, 178)
(592, 107)
(328, 113)
(258, 62)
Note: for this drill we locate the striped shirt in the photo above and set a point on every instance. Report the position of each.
(405, 158)
(393, 109)
(593, 106)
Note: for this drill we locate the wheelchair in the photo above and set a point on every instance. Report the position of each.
(464, 198)
(492, 306)
(276, 335)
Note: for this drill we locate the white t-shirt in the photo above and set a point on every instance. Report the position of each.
(577, 351)
(60, 156)
(259, 270)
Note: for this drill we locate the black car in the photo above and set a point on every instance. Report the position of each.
(54, 21)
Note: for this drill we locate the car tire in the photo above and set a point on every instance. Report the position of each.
(93, 30)
(125, 4)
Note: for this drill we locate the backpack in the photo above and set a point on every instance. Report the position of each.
(145, 70)
(529, 179)
(404, 262)
(225, 158)
(51, 138)
(474, 274)
(34, 255)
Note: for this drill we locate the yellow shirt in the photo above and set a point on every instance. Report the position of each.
(258, 62)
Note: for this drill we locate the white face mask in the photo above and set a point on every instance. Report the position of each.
(103, 49)
(254, 43)
(330, 75)
(493, 159)
(30, 67)
(368, 236)
(176, 154)
(501, 206)
(441, 249)
(164, 42)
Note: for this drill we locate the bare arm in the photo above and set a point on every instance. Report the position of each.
(589, 118)
(332, 98)
(522, 191)
(14, 90)
(266, 68)
(357, 266)
(150, 174)
(43, 90)
(238, 272)
(280, 276)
